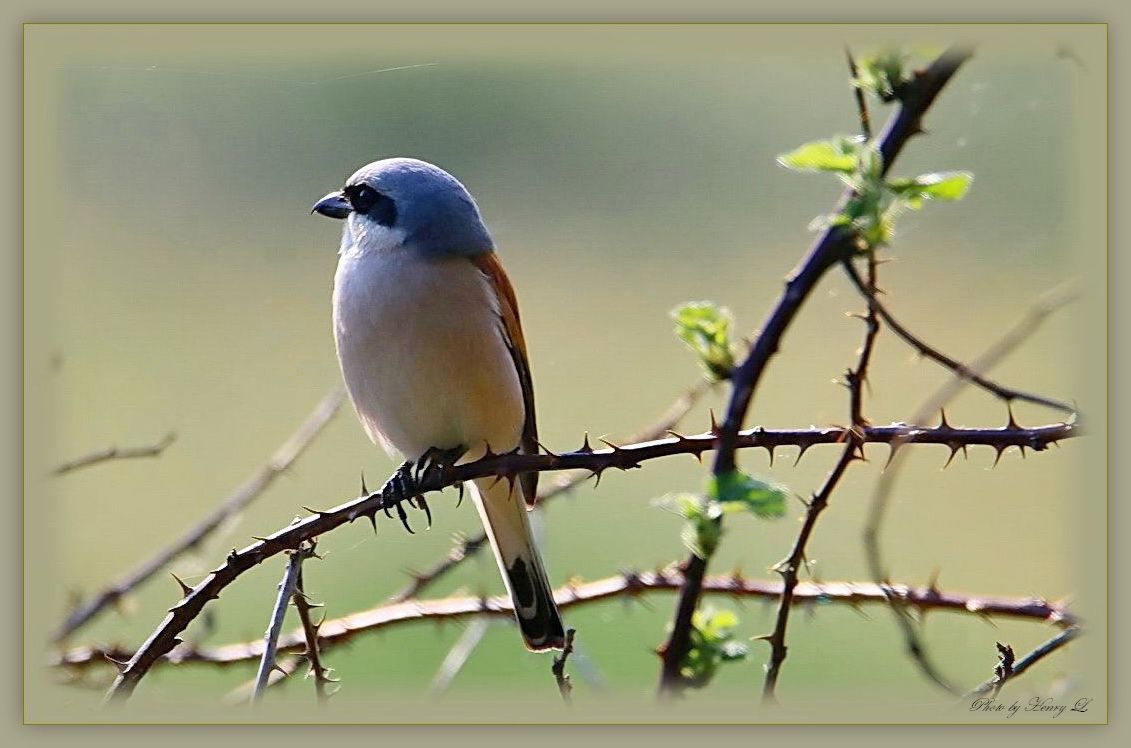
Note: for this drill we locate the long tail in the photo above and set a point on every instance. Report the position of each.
(503, 512)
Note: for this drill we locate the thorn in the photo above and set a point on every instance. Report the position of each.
(319, 512)
(279, 668)
(597, 474)
(257, 538)
(801, 453)
(770, 451)
(676, 434)
(1012, 421)
(185, 589)
(546, 449)
(942, 419)
(372, 516)
(609, 444)
(954, 447)
(933, 582)
(997, 458)
(364, 489)
(121, 665)
(894, 447)
(585, 445)
(714, 423)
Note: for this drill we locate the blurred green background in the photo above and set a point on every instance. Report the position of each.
(175, 281)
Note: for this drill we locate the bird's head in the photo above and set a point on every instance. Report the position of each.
(404, 203)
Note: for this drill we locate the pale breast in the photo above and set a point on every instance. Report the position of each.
(421, 349)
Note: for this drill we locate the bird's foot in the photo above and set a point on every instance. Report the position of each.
(402, 487)
(437, 460)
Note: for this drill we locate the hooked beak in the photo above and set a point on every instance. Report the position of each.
(333, 205)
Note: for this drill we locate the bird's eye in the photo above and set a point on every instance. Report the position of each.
(369, 202)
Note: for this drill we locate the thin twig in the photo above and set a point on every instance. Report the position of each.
(458, 656)
(275, 626)
(1026, 662)
(833, 244)
(338, 631)
(318, 670)
(858, 92)
(959, 369)
(558, 668)
(393, 495)
(279, 462)
(916, 647)
(114, 453)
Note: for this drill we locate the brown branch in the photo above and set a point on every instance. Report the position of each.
(834, 244)
(338, 631)
(558, 668)
(114, 453)
(790, 567)
(318, 670)
(392, 495)
(279, 462)
(467, 547)
(1046, 305)
(958, 368)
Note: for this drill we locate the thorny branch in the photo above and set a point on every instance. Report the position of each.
(280, 461)
(392, 496)
(467, 547)
(115, 453)
(334, 632)
(1049, 303)
(959, 369)
(790, 567)
(833, 245)
(313, 654)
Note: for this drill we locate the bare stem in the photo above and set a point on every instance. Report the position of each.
(115, 453)
(275, 626)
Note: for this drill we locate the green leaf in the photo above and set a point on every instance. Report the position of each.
(948, 185)
(840, 154)
(737, 492)
(705, 328)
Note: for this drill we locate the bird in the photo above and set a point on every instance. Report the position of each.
(431, 349)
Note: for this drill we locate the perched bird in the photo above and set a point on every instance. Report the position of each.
(432, 352)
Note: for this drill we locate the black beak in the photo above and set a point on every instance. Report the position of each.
(333, 205)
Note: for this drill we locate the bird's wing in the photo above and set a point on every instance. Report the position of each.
(490, 266)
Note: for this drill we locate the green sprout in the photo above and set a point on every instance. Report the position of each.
(712, 643)
(705, 328)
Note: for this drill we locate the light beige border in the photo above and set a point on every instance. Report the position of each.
(577, 10)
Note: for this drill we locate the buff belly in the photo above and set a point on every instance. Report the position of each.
(423, 355)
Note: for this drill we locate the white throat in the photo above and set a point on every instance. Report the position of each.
(362, 235)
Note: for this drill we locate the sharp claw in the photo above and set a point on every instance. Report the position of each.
(403, 516)
(427, 511)
(460, 499)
